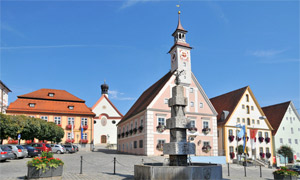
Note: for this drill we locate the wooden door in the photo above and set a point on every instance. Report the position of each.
(103, 139)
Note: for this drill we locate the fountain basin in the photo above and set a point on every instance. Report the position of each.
(159, 171)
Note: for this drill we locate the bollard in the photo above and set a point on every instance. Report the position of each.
(81, 165)
(114, 165)
(228, 169)
(260, 171)
(245, 171)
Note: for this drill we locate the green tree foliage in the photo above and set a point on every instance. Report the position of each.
(285, 151)
(29, 128)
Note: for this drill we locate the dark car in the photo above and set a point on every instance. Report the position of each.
(296, 168)
(69, 148)
(42, 146)
(32, 151)
(76, 148)
(5, 153)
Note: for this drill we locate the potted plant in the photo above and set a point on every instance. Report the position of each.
(205, 130)
(69, 141)
(160, 147)
(267, 140)
(262, 155)
(231, 138)
(261, 139)
(119, 136)
(131, 131)
(206, 148)
(69, 126)
(123, 134)
(160, 128)
(84, 127)
(44, 166)
(141, 128)
(193, 129)
(83, 141)
(127, 133)
(268, 155)
(232, 155)
(238, 138)
(134, 130)
(285, 174)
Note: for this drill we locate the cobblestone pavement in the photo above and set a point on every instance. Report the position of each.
(99, 165)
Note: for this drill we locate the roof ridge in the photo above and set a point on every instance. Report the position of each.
(234, 91)
(279, 104)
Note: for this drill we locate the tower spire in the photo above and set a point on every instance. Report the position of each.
(179, 26)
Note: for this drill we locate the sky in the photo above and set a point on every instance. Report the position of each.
(76, 45)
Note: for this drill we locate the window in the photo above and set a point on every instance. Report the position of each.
(287, 118)
(290, 110)
(230, 132)
(135, 144)
(248, 121)
(201, 105)
(283, 128)
(243, 106)
(247, 109)
(131, 125)
(44, 118)
(206, 143)
(266, 134)
(253, 121)
(70, 120)
(258, 122)
(290, 141)
(298, 129)
(252, 108)
(141, 144)
(296, 141)
(191, 90)
(71, 107)
(184, 64)
(84, 135)
(69, 135)
(192, 104)
(57, 120)
(237, 132)
(291, 120)
(259, 134)
(267, 150)
(31, 116)
(161, 141)
(294, 118)
(113, 121)
(205, 124)
(135, 124)
(281, 140)
(192, 123)
(161, 121)
(166, 100)
(142, 122)
(247, 97)
(261, 150)
(83, 121)
(238, 120)
(31, 104)
(243, 120)
(292, 130)
(230, 149)
(50, 94)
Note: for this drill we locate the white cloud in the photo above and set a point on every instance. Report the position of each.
(117, 96)
(267, 53)
(129, 3)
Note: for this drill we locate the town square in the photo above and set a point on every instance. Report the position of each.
(149, 90)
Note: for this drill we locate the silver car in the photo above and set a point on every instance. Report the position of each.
(57, 148)
(5, 153)
(18, 150)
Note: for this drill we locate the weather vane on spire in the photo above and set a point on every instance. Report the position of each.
(178, 5)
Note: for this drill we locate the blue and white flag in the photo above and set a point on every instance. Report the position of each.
(81, 132)
(242, 131)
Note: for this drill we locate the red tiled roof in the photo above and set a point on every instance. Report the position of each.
(59, 95)
(275, 114)
(146, 98)
(227, 102)
(59, 104)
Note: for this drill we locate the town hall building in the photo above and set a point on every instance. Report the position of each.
(143, 129)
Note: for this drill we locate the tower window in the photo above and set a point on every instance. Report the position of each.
(179, 36)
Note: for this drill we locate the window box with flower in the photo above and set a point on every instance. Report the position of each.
(231, 138)
(83, 141)
(123, 134)
(160, 146)
(206, 148)
(130, 131)
(261, 139)
(141, 128)
(134, 130)
(262, 155)
(238, 138)
(119, 136)
(193, 129)
(267, 140)
(232, 155)
(205, 130)
(44, 166)
(126, 133)
(69, 141)
(12, 141)
(84, 127)
(69, 126)
(268, 155)
(160, 128)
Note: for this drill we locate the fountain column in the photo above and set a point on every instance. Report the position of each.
(178, 148)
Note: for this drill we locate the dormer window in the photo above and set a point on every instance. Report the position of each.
(31, 104)
(71, 107)
(51, 94)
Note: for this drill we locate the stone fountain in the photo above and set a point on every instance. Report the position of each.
(178, 148)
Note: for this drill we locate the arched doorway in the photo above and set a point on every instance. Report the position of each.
(103, 139)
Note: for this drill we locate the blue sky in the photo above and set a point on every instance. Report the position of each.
(76, 45)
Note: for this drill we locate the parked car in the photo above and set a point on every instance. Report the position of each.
(18, 150)
(76, 148)
(32, 151)
(296, 168)
(42, 146)
(5, 153)
(57, 148)
(69, 148)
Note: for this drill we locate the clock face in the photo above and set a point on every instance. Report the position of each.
(184, 55)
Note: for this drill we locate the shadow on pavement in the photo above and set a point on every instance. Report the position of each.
(106, 151)
(126, 177)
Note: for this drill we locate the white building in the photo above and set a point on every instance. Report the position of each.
(285, 120)
(106, 119)
(241, 107)
(3, 97)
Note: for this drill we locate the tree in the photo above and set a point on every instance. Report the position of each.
(31, 128)
(285, 151)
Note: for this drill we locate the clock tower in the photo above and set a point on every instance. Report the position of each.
(180, 54)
